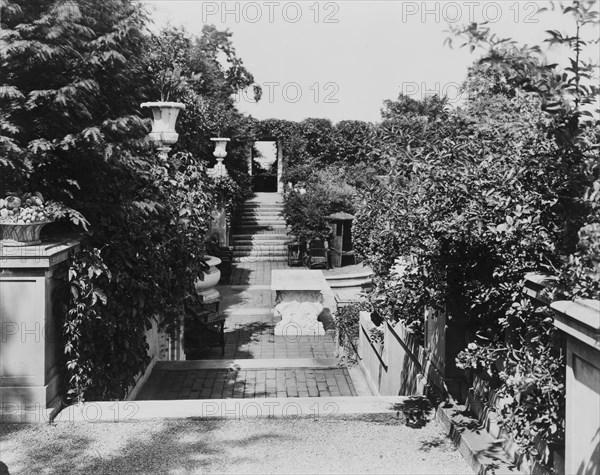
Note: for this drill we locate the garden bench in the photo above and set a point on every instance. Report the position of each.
(317, 254)
(204, 327)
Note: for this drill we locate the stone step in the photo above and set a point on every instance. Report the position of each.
(275, 247)
(261, 214)
(240, 409)
(357, 275)
(258, 243)
(338, 284)
(255, 228)
(258, 206)
(261, 222)
(249, 363)
(261, 237)
(260, 254)
(259, 259)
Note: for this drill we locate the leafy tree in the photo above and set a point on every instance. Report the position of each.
(70, 86)
(352, 141)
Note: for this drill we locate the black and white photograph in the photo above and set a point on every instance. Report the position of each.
(300, 237)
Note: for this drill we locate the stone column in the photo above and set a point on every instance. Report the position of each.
(279, 166)
(580, 320)
(32, 284)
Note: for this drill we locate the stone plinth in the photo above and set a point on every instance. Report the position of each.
(32, 291)
(299, 301)
(580, 320)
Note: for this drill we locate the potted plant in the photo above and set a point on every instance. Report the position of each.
(22, 218)
(165, 112)
(166, 63)
(163, 123)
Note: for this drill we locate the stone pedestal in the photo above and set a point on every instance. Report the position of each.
(580, 320)
(299, 298)
(32, 291)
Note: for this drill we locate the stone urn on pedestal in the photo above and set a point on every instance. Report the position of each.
(164, 117)
(220, 153)
(205, 287)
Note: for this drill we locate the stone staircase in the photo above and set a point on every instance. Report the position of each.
(261, 232)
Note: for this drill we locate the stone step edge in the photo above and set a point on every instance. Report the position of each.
(273, 248)
(479, 449)
(261, 237)
(256, 311)
(340, 284)
(243, 364)
(356, 275)
(241, 260)
(259, 242)
(238, 409)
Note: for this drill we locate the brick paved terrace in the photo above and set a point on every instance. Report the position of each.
(286, 366)
(248, 383)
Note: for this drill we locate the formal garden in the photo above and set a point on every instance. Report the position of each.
(455, 207)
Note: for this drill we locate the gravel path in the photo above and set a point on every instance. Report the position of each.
(372, 444)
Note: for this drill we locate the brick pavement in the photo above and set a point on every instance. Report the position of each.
(253, 338)
(249, 383)
(249, 335)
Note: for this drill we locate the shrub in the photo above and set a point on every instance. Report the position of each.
(305, 209)
(347, 323)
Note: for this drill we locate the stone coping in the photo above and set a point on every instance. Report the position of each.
(298, 280)
(579, 319)
(45, 254)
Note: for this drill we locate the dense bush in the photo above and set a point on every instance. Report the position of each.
(477, 198)
(306, 208)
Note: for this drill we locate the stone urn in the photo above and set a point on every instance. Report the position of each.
(220, 153)
(163, 122)
(220, 148)
(205, 287)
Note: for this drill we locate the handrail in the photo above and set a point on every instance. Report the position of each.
(385, 366)
(408, 351)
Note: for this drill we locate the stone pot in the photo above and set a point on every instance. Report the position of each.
(163, 122)
(15, 234)
(220, 148)
(206, 286)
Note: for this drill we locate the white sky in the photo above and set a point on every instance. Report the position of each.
(340, 60)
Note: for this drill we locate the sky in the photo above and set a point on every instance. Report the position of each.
(341, 59)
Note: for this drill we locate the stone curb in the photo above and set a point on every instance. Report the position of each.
(238, 409)
(480, 450)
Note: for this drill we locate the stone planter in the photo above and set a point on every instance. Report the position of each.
(220, 148)
(206, 286)
(14, 234)
(219, 170)
(163, 122)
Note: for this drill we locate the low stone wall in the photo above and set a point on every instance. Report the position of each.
(482, 400)
(401, 367)
(158, 351)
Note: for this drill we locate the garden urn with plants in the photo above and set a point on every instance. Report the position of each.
(22, 217)
(163, 122)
